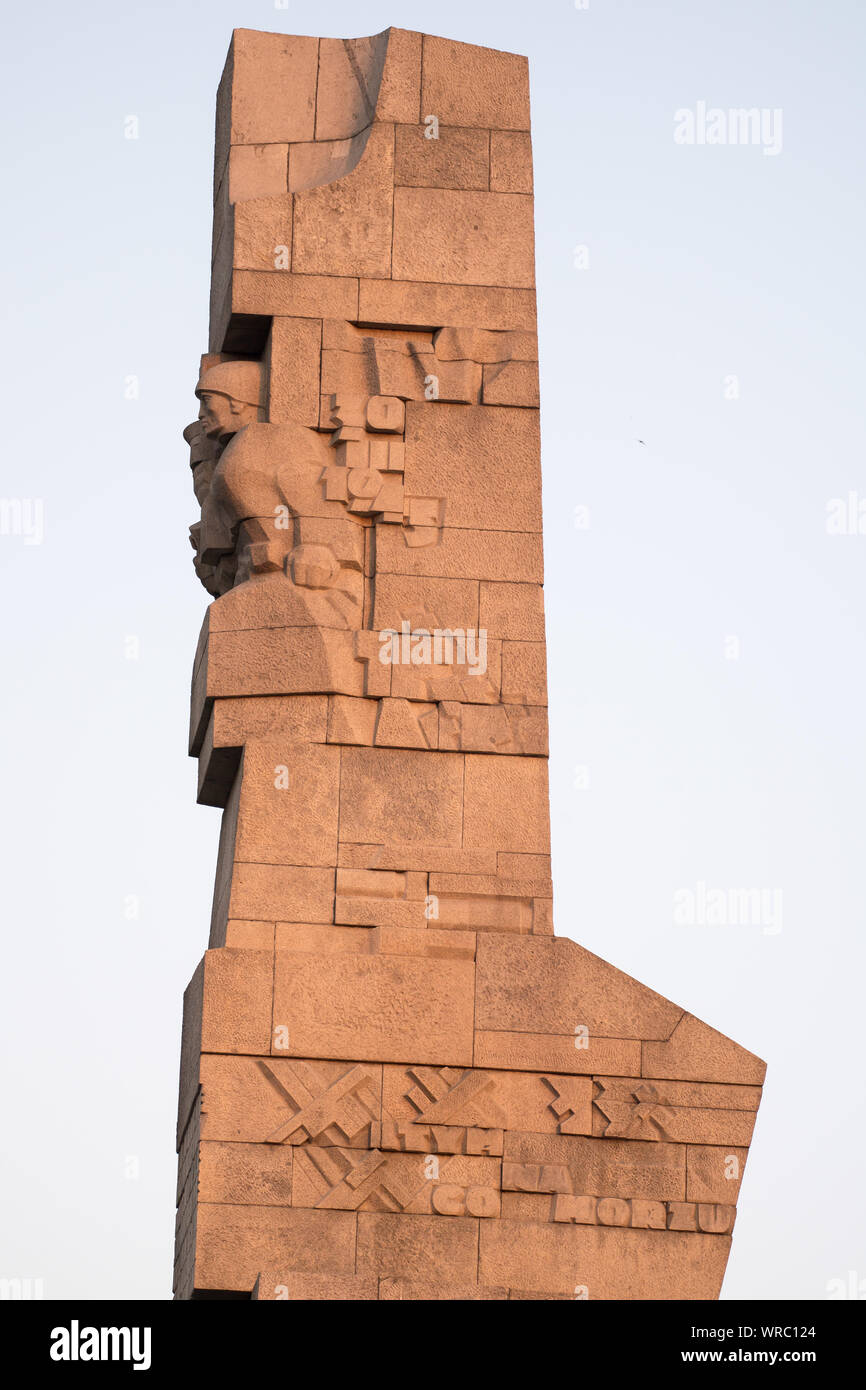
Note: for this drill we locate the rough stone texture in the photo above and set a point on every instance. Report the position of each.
(396, 1082)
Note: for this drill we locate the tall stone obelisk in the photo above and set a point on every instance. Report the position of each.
(396, 1082)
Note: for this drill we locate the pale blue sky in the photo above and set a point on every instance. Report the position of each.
(704, 263)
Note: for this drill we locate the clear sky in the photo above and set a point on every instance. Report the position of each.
(702, 363)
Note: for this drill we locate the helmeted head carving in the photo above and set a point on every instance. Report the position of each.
(231, 395)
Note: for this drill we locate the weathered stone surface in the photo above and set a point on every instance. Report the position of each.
(579, 1165)
(528, 986)
(469, 86)
(396, 1082)
(377, 1008)
(510, 161)
(460, 237)
(558, 1052)
(697, 1052)
(418, 1247)
(457, 159)
(606, 1262)
(279, 1101)
(233, 1243)
(345, 228)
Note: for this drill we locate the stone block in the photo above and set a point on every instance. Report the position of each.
(273, 87)
(511, 161)
(289, 808)
(350, 72)
(461, 237)
(463, 554)
(556, 986)
(418, 1247)
(555, 1052)
(468, 86)
(513, 611)
(400, 88)
(245, 1174)
(257, 171)
(233, 1243)
(714, 1174)
(278, 1285)
(402, 855)
(376, 1008)
(345, 227)
(427, 304)
(236, 1012)
(280, 892)
(297, 718)
(506, 804)
(476, 1099)
(458, 159)
(609, 1263)
(250, 936)
(407, 724)
(425, 603)
(501, 489)
(579, 1165)
(262, 234)
(280, 1101)
(512, 384)
(393, 795)
(429, 1291)
(352, 720)
(284, 293)
(485, 346)
(511, 729)
(294, 357)
(409, 941)
(524, 673)
(646, 1110)
(321, 937)
(694, 1051)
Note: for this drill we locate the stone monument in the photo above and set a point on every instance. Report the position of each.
(396, 1082)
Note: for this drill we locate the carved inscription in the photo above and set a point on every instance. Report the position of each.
(641, 1214)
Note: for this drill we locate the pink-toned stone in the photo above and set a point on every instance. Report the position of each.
(457, 159)
(556, 1052)
(273, 87)
(469, 86)
(233, 1243)
(284, 293)
(461, 237)
(395, 794)
(377, 1008)
(245, 1174)
(418, 1247)
(697, 1052)
(344, 228)
(294, 371)
(510, 161)
(257, 171)
(501, 491)
(396, 1082)
(400, 89)
(511, 383)
(537, 986)
(607, 1262)
(425, 304)
(276, 1286)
